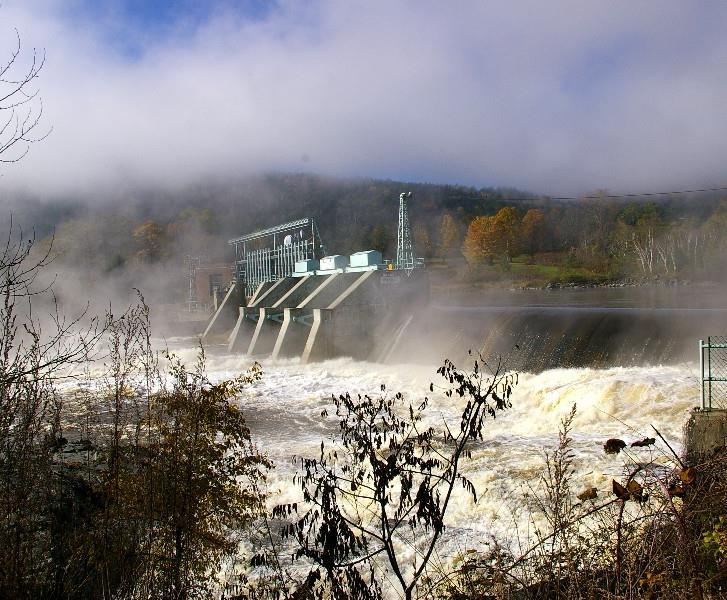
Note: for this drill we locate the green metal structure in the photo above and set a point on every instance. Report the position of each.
(713, 367)
(270, 254)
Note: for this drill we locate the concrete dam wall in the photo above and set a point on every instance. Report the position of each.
(535, 339)
(386, 317)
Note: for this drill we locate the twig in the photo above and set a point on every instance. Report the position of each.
(663, 439)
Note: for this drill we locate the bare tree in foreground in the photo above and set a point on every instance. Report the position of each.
(34, 355)
(21, 107)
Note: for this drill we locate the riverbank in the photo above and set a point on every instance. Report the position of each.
(547, 272)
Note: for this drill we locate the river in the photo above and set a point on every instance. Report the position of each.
(630, 363)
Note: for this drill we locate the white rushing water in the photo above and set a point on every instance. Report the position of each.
(284, 414)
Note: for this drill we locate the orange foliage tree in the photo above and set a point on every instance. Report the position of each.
(495, 236)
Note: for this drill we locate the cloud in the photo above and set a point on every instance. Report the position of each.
(559, 97)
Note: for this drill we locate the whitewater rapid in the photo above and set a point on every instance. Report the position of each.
(284, 410)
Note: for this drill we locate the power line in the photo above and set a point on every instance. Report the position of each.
(628, 195)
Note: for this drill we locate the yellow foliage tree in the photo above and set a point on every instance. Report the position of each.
(449, 235)
(149, 238)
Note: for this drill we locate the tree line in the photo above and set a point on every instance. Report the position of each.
(678, 238)
(633, 239)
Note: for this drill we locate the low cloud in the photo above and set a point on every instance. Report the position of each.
(557, 97)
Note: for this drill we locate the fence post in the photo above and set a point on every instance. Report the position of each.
(701, 371)
(709, 370)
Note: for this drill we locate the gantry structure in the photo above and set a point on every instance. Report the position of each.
(270, 254)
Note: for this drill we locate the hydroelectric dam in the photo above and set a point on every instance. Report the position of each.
(290, 298)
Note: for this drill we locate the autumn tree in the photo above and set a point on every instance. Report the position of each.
(600, 221)
(477, 245)
(154, 496)
(450, 235)
(422, 240)
(203, 480)
(149, 238)
(495, 236)
(533, 231)
(379, 238)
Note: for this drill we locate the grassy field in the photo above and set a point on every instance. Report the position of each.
(522, 272)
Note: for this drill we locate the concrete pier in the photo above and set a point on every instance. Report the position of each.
(242, 332)
(224, 316)
(266, 331)
(324, 315)
(705, 433)
(294, 333)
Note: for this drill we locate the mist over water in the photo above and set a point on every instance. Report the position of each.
(537, 330)
(625, 357)
(284, 414)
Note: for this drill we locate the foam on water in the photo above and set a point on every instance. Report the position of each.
(284, 413)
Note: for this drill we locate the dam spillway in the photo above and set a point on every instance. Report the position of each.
(375, 317)
(539, 338)
(320, 316)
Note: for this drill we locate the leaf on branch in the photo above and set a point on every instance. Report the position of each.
(636, 491)
(620, 491)
(676, 490)
(688, 475)
(632, 491)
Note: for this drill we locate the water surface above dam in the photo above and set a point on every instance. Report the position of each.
(536, 330)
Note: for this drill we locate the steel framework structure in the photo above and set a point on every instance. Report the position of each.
(713, 366)
(192, 265)
(404, 250)
(270, 254)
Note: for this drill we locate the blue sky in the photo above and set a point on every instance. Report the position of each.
(130, 26)
(561, 97)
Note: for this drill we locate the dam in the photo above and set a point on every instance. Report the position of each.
(289, 298)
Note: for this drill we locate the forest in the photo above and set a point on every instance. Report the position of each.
(470, 237)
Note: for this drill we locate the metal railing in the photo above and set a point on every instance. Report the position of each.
(270, 254)
(713, 367)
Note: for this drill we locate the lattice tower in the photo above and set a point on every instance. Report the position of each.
(404, 249)
(192, 264)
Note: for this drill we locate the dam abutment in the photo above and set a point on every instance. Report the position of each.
(705, 433)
